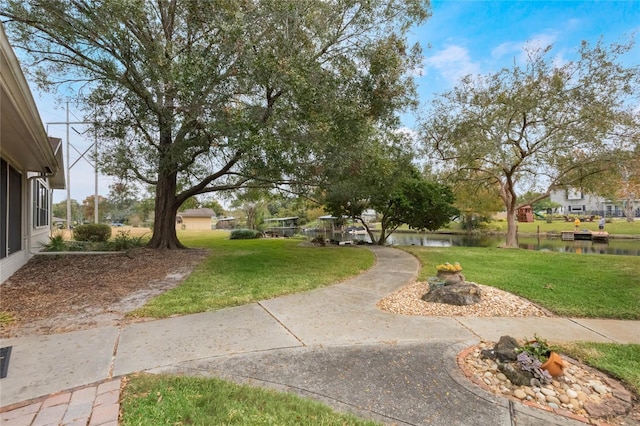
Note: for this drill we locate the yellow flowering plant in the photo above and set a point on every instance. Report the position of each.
(448, 267)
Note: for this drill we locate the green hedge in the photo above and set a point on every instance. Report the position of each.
(245, 234)
(93, 232)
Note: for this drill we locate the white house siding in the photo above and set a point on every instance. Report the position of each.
(28, 155)
(575, 202)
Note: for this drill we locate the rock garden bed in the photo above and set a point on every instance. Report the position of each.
(580, 392)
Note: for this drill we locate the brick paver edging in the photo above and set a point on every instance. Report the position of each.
(93, 405)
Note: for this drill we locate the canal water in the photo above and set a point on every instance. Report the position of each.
(625, 247)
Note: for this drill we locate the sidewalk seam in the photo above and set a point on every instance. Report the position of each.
(456, 319)
(593, 331)
(112, 364)
(281, 323)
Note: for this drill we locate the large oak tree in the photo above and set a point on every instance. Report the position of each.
(198, 96)
(539, 125)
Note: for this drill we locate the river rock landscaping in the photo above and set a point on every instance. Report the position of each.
(493, 303)
(581, 392)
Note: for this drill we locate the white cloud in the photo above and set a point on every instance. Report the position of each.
(506, 48)
(541, 40)
(517, 49)
(574, 24)
(408, 132)
(453, 63)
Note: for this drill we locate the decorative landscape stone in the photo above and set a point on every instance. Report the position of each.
(458, 294)
(504, 350)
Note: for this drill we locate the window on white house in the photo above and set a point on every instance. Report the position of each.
(574, 194)
(40, 204)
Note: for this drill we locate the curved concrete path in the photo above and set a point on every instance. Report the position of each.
(332, 344)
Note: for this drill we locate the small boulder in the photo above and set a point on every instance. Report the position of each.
(517, 376)
(504, 350)
(459, 294)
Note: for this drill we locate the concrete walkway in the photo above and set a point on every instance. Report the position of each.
(331, 344)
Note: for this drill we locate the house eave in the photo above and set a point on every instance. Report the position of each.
(23, 139)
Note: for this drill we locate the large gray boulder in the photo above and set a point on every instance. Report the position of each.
(459, 294)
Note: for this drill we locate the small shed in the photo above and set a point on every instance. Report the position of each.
(195, 219)
(525, 214)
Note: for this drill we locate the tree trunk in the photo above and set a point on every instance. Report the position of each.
(164, 227)
(366, 227)
(628, 210)
(512, 229)
(383, 233)
(508, 196)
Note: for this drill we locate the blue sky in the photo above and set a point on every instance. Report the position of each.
(465, 37)
(480, 37)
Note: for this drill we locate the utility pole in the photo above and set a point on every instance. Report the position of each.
(96, 218)
(68, 174)
(69, 165)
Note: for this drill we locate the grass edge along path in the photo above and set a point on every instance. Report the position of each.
(238, 272)
(615, 227)
(622, 361)
(567, 284)
(162, 399)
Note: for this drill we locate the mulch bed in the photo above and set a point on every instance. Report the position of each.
(62, 293)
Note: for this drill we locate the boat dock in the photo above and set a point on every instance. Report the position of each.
(585, 235)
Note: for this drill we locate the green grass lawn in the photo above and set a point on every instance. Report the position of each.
(616, 227)
(621, 361)
(237, 272)
(602, 286)
(243, 271)
(170, 400)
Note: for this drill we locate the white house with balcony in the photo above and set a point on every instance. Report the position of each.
(577, 202)
(30, 167)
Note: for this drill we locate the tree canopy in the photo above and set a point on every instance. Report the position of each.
(198, 96)
(541, 125)
(383, 178)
